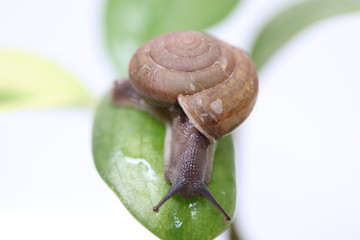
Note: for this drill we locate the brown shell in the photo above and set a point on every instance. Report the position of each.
(215, 83)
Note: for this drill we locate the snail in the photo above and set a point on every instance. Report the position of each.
(202, 88)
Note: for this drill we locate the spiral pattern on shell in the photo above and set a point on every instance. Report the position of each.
(213, 82)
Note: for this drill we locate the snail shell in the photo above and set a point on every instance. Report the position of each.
(214, 83)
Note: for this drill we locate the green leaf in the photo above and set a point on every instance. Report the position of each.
(29, 81)
(291, 21)
(129, 23)
(128, 153)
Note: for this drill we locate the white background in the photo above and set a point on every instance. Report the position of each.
(298, 159)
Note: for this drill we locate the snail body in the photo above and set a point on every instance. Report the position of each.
(209, 88)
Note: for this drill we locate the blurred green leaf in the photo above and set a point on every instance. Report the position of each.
(129, 23)
(291, 21)
(128, 153)
(29, 81)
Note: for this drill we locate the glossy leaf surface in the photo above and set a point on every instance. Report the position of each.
(291, 21)
(28, 81)
(129, 23)
(128, 153)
